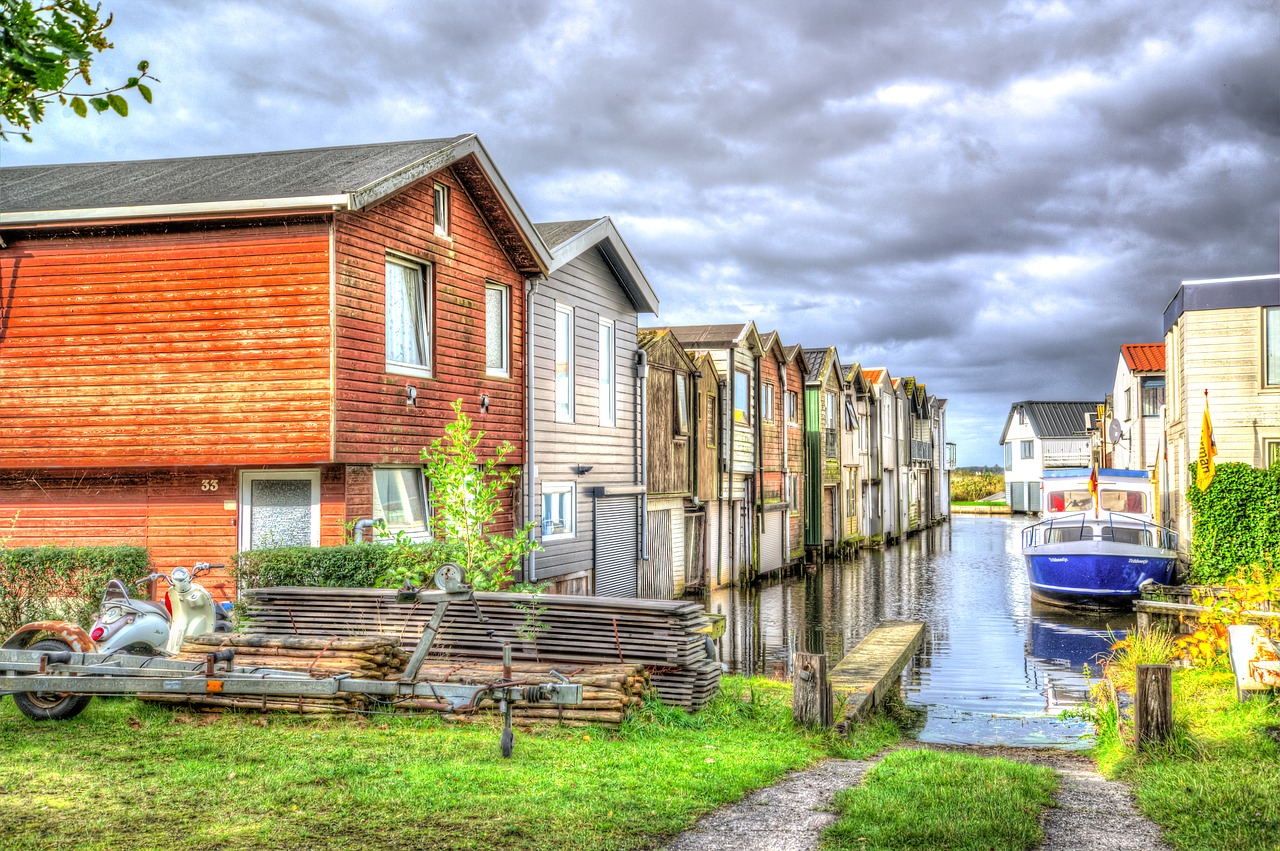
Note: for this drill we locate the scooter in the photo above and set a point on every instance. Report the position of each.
(126, 623)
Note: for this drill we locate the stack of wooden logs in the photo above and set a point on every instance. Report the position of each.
(609, 692)
(370, 657)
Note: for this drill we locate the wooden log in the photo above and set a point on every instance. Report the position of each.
(1153, 705)
(811, 696)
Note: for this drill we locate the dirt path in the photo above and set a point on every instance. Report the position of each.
(1092, 814)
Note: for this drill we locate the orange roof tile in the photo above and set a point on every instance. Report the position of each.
(873, 375)
(1144, 357)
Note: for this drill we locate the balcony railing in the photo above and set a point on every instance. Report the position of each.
(921, 451)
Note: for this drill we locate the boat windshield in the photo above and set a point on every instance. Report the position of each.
(1109, 499)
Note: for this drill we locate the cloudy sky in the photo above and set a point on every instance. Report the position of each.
(990, 196)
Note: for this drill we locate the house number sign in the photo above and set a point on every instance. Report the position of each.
(208, 484)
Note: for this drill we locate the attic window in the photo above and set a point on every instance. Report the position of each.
(441, 193)
(1022, 416)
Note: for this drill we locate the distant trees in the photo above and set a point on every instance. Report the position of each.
(47, 48)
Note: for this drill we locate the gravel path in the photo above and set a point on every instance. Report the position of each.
(1092, 814)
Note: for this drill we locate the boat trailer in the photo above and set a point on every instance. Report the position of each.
(52, 673)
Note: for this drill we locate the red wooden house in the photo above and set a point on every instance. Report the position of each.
(204, 355)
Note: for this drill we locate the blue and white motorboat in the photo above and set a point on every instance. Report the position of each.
(1097, 550)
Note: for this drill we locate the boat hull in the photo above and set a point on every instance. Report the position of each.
(1095, 575)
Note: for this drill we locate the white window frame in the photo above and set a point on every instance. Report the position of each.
(571, 516)
(424, 271)
(417, 532)
(793, 407)
(1026, 450)
(1268, 346)
(607, 372)
(247, 477)
(829, 420)
(504, 369)
(566, 415)
(682, 416)
(742, 414)
(1269, 447)
(1145, 384)
(440, 208)
(766, 401)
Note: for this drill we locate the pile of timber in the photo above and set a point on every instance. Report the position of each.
(667, 637)
(609, 692)
(368, 657)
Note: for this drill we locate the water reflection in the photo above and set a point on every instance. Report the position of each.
(995, 669)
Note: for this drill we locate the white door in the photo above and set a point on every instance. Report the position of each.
(279, 508)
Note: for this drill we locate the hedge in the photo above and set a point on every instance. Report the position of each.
(363, 565)
(1235, 522)
(62, 583)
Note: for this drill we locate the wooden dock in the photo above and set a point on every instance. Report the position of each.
(862, 678)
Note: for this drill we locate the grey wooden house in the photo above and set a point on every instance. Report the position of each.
(585, 422)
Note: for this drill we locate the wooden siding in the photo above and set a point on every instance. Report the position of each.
(708, 418)
(182, 516)
(772, 431)
(196, 345)
(796, 458)
(613, 452)
(670, 454)
(374, 423)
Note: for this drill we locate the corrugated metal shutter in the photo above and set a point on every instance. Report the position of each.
(657, 580)
(1033, 496)
(771, 541)
(1018, 496)
(617, 531)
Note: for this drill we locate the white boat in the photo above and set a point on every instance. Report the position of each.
(1097, 550)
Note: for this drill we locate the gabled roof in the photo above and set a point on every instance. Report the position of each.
(569, 240)
(703, 337)
(653, 339)
(770, 342)
(853, 375)
(795, 354)
(1053, 419)
(873, 376)
(350, 177)
(819, 361)
(1143, 357)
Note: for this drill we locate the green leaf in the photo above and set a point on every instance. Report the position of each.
(100, 104)
(78, 107)
(145, 91)
(131, 82)
(143, 66)
(119, 104)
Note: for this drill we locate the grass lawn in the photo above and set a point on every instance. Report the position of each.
(924, 799)
(1216, 785)
(131, 775)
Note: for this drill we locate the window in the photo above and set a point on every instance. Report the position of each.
(793, 491)
(564, 364)
(830, 418)
(850, 415)
(851, 500)
(1152, 396)
(408, 318)
(608, 374)
(1008, 455)
(441, 193)
(766, 402)
(1271, 452)
(1028, 449)
(400, 500)
(497, 329)
(558, 511)
(682, 404)
(279, 509)
(1273, 346)
(742, 398)
(712, 423)
(793, 407)
(1128, 403)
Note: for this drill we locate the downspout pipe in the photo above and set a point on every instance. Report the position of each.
(530, 459)
(642, 415)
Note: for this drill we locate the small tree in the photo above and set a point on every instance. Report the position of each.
(466, 501)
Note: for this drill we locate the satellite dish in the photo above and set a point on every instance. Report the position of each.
(1114, 431)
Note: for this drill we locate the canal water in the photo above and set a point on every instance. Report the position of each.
(996, 668)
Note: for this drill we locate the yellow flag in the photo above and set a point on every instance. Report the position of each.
(1204, 462)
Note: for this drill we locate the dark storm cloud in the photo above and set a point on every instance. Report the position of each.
(991, 196)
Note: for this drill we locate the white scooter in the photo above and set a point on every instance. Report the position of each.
(126, 623)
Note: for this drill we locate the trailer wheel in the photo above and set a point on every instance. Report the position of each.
(507, 744)
(50, 706)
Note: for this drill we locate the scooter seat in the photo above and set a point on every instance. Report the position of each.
(147, 605)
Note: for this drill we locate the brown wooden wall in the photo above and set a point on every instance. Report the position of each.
(706, 416)
(772, 430)
(796, 454)
(143, 347)
(670, 457)
(374, 424)
(182, 516)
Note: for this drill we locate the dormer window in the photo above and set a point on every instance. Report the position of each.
(441, 193)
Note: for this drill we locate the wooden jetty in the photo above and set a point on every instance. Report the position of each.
(871, 669)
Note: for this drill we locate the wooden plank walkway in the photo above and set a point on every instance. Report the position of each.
(861, 679)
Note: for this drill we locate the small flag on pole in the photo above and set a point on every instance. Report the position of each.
(1093, 489)
(1205, 467)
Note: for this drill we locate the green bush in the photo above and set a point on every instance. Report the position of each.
(1235, 522)
(971, 487)
(62, 583)
(352, 566)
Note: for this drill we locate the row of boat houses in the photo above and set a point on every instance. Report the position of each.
(214, 354)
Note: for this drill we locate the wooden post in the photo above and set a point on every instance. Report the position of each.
(1153, 705)
(811, 700)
